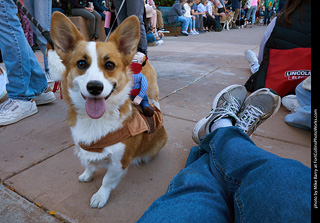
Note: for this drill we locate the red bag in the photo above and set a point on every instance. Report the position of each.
(287, 68)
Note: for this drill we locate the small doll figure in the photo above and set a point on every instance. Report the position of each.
(140, 85)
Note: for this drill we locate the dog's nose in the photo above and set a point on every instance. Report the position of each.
(95, 87)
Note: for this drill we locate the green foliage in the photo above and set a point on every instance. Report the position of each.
(165, 3)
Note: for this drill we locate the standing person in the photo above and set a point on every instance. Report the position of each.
(252, 12)
(236, 9)
(227, 178)
(268, 4)
(27, 85)
(41, 10)
(133, 7)
(82, 8)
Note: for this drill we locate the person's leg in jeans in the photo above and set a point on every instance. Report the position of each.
(134, 7)
(253, 14)
(25, 75)
(228, 178)
(301, 117)
(184, 22)
(41, 10)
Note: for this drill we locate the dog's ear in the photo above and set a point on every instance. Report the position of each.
(127, 37)
(64, 34)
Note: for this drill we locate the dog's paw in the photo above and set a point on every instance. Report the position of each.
(84, 177)
(99, 199)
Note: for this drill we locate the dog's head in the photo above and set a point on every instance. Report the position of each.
(96, 72)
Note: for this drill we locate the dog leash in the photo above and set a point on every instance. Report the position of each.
(44, 33)
(115, 19)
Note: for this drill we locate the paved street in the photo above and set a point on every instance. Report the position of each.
(37, 161)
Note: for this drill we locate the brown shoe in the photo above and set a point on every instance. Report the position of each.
(148, 111)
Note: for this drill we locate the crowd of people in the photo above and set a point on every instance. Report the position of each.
(199, 16)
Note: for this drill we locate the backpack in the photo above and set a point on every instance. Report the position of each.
(286, 69)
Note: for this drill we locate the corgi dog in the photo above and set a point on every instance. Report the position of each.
(96, 83)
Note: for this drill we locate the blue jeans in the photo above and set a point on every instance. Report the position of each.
(41, 10)
(252, 12)
(191, 23)
(267, 16)
(144, 103)
(302, 117)
(184, 21)
(229, 179)
(25, 75)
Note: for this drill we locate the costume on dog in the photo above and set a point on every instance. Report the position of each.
(140, 85)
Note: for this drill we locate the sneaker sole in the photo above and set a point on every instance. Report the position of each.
(25, 115)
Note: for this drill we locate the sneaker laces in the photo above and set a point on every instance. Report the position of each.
(249, 118)
(6, 105)
(227, 109)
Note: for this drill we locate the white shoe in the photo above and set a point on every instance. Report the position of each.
(291, 102)
(251, 57)
(159, 42)
(12, 111)
(45, 98)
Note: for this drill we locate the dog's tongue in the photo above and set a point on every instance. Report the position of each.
(95, 107)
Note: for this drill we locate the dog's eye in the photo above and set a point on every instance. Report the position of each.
(81, 64)
(109, 65)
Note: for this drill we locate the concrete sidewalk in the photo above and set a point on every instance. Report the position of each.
(37, 160)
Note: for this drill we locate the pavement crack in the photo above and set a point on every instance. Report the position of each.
(36, 163)
(196, 80)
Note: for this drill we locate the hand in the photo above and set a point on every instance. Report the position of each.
(137, 100)
(89, 9)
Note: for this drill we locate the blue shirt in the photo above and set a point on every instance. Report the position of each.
(140, 82)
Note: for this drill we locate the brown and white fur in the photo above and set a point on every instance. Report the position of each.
(106, 63)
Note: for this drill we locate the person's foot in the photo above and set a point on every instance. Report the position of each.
(12, 111)
(256, 109)
(225, 105)
(291, 102)
(251, 57)
(184, 33)
(45, 98)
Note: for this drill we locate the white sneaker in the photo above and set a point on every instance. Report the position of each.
(159, 42)
(291, 102)
(251, 57)
(12, 111)
(45, 98)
